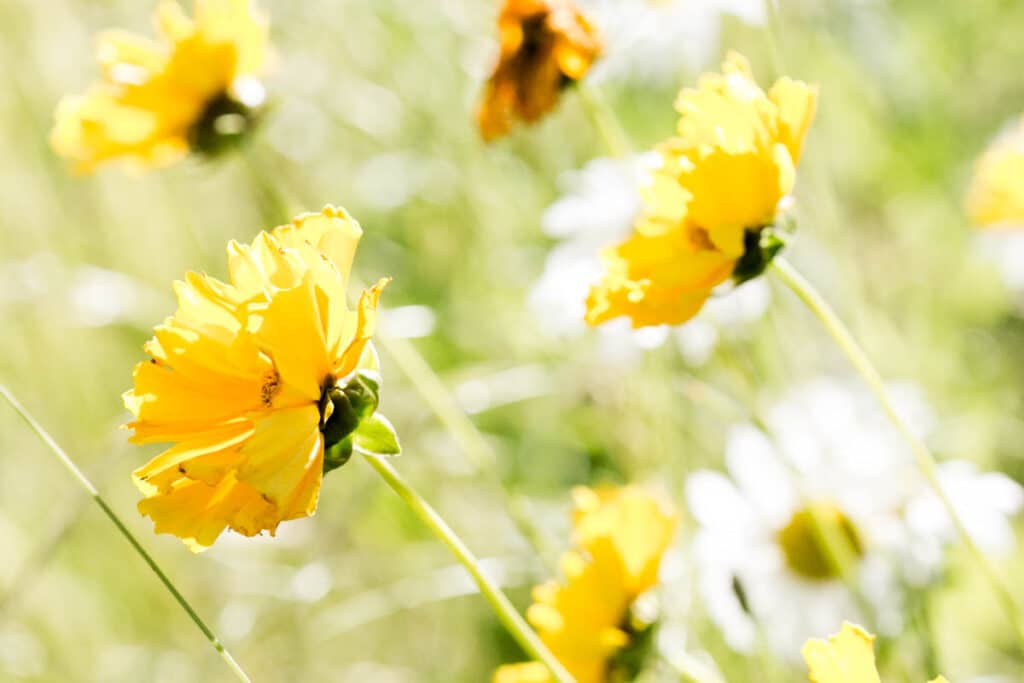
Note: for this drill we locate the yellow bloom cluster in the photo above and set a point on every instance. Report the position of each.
(721, 180)
(153, 96)
(545, 45)
(239, 379)
(847, 657)
(996, 194)
(620, 535)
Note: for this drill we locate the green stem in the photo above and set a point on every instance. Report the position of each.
(465, 432)
(506, 612)
(112, 516)
(806, 292)
(604, 121)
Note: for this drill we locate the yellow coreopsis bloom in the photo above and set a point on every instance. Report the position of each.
(256, 381)
(996, 194)
(156, 100)
(620, 536)
(722, 180)
(545, 46)
(846, 657)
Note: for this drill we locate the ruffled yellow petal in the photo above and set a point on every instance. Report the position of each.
(198, 513)
(660, 279)
(847, 657)
(638, 527)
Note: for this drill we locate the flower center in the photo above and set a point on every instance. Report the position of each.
(803, 540)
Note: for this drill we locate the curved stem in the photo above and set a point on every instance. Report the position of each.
(506, 612)
(604, 121)
(806, 292)
(465, 432)
(112, 516)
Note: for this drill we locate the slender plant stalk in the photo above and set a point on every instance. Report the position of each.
(112, 516)
(806, 292)
(604, 121)
(510, 618)
(480, 453)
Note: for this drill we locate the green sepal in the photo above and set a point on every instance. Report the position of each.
(760, 247)
(338, 454)
(376, 436)
(223, 125)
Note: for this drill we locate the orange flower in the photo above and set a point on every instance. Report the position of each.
(545, 46)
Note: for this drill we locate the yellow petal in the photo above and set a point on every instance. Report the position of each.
(797, 102)
(284, 447)
(198, 513)
(996, 195)
(847, 657)
(527, 672)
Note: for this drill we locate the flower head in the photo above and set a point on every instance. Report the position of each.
(545, 46)
(846, 657)
(259, 382)
(156, 100)
(721, 183)
(996, 194)
(620, 536)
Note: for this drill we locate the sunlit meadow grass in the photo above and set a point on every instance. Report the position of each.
(372, 107)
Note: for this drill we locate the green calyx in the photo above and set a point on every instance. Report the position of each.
(641, 627)
(225, 122)
(349, 421)
(760, 247)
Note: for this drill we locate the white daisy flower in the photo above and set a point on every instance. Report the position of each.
(651, 41)
(598, 209)
(758, 561)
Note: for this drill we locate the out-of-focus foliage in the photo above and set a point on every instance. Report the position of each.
(372, 107)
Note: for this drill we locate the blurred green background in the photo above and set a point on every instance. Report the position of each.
(372, 110)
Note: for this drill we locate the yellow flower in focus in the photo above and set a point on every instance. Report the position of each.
(620, 535)
(722, 180)
(156, 100)
(847, 657)
(996, 194)
(252, 379)
(545, 46)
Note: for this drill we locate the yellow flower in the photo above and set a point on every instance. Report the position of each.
(620, 537)
(252, 379)
(847, 657)
(996, 194)
(545, 46)
(157, 99)
(721, 182)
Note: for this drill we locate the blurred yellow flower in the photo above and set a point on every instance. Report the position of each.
(721, 181)
(252, 380)
(157, 99)
(545, 46)
(847, 657)
(996, 194)
(620, 536)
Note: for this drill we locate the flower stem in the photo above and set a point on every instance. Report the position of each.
(806, 292)
(112, 516)
(604, 121)
(510, 618)
(473, 444)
